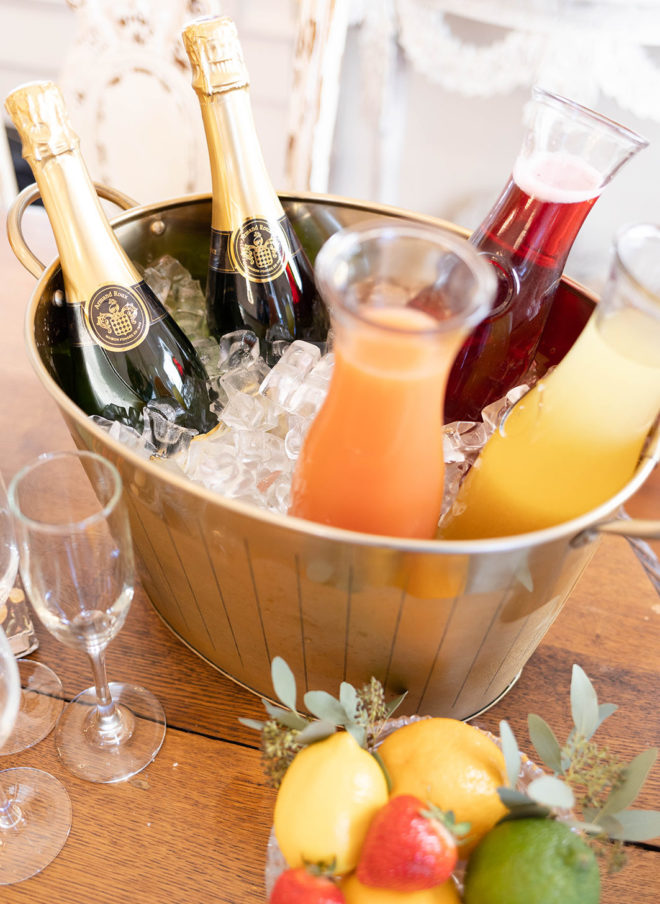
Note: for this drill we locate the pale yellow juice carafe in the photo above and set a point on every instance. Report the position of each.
(573, 441)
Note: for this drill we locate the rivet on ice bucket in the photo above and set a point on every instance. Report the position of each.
(453, 623)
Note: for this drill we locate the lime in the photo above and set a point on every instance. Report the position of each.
(532, 861)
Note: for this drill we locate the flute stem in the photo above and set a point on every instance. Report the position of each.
(10, 812)
(107, 725)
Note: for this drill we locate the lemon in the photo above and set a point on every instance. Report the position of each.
(453, 765)
(325, 803)
(357, 893)
(532, 861)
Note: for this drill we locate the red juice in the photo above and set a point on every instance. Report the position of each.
(527, 235)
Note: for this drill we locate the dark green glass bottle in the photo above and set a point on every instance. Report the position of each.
(259, 277)
(125, 349)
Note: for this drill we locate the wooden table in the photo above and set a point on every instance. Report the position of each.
(193, 826)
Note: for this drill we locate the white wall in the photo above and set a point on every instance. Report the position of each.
(457, 152)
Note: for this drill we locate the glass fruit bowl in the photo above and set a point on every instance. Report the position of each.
(276, 864)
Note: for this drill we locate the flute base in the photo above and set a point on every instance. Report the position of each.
(110, 756)
(40, 708)
(35, 821)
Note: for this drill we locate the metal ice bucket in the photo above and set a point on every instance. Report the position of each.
(453, 623)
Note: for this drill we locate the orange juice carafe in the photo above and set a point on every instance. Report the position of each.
(574, 440)
(401, 298)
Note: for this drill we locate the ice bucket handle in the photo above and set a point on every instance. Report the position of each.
(642, 529)
(28, 196)
(636, 531)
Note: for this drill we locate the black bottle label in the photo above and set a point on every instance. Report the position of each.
(259, 250)
(117, 318)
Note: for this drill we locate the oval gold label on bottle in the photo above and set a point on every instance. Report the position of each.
(259, 250)
(117, 318)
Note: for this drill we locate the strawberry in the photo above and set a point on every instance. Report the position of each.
(408, 846)
(302, 886)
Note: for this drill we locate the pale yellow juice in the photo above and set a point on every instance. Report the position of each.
(573, 441)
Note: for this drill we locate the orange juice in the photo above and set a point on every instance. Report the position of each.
(402, 297)
(372, 460)
(573, 441)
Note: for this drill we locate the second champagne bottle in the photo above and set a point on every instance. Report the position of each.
(259, 277)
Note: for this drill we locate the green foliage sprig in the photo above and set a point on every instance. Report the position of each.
(360, 712)
(586, 777)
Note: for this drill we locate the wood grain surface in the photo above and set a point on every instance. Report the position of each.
(193, 826)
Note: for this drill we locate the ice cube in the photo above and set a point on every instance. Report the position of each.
(278, 495)
(245, 379)
(244, 411)
(192, 323)
(302, 356)
(280, 383)
(160, 429)
(160, 285)
(277, 340)
(294, 438)
(171, 268)
(309, 396)
(254, 446)
(297, 361)
(189, 296)
(209, 353)
(238, 348)
(124, 434)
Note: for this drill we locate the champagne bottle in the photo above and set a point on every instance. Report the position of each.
(569, 154)
(124, 349)
(259, 277)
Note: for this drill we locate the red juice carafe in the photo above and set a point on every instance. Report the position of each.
(568, 155)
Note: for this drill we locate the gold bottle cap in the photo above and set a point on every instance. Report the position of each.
(38, 111)
(215, 55)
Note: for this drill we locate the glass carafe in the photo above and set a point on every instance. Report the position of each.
(569, 154)
(574, 440)
(402, 297)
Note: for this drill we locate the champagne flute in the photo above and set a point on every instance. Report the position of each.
(41, 689)
(76, 561)
(35, 809)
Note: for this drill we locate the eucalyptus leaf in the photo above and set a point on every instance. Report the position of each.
(637, 825)
(590, 814)
(545, 743)
(285, 716)
(634, 777)
(551, 791)
(510, 797)
(584, 703)
(588, 827)
(611, 826)
(325, 706)
(605, 710)
(349, 699)
(396, 703)
(315, 731)
(284, 683)
(251, 723)
(358, 732)
(511, 753)
(527, 811)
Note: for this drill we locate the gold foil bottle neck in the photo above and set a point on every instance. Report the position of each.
(38, 111)
(215, 55)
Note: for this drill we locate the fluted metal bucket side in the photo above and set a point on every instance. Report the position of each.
(451, 623)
